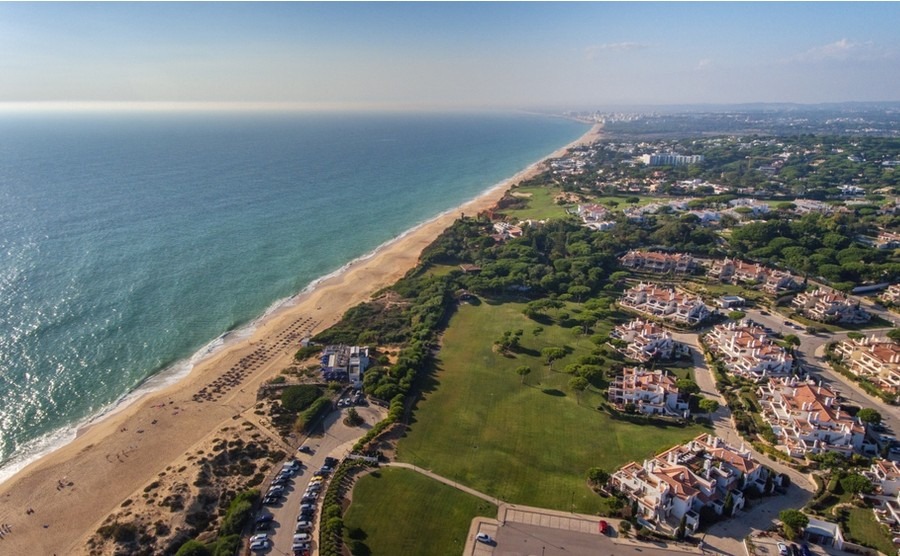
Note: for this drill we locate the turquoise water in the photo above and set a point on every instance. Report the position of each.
(130, 243)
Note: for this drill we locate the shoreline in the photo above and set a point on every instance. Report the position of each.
(158, 426)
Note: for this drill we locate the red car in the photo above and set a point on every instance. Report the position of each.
(604, 527)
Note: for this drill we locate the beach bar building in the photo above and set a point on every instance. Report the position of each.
(345, 363)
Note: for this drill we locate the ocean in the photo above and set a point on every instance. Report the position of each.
(133, 244)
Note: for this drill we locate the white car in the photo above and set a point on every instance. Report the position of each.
(259, 545)
(259, 537)
(302, 537)
(484, 538)
(783, 549)
(304, 525)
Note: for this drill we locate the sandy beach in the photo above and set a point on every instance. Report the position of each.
(57, 502)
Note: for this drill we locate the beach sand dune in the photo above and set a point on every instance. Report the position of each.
(55, 504)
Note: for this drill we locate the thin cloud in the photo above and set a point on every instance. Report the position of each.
(844, 50)
(594, 50)
(703, 64)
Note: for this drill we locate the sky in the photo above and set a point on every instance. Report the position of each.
(408, 55)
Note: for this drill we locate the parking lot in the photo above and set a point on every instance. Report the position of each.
(334, 439)
(526, 531)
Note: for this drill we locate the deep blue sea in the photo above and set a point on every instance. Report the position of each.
(130, 242)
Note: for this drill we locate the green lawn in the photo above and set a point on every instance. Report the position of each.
(863, 529)
(526, 443)
(541, 203)
(398, 511)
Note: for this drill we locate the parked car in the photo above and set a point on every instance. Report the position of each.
(604, 527)
(307, 507)
(783, 549)
(271, 500)
(302, 537)
(484, 538)
(263, 526)
(303, 526)
(330, 461)
(259, 545)
(795, 550)
(305, 449)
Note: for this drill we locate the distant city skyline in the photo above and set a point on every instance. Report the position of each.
(445, 55)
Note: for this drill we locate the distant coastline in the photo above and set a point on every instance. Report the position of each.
(83, 458)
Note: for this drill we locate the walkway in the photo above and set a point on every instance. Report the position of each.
(446, 481)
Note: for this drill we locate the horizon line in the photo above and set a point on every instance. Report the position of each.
(250, 106)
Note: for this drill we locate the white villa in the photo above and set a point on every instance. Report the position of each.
(737, 271)
(891, 294)
(651, 392)
(666, 303)
(679, 482)
(646, 340)
(830, 306)
(748, 351)
(648, 261)
(807, 419)
(877, 359)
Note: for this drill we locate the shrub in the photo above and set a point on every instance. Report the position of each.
(298, 398)
(193, 548)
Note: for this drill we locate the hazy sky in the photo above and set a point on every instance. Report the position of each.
(455, 55)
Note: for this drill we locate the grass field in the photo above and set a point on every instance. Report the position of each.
(864, 529)
(528, 443)
(542, 206)
(397, 511)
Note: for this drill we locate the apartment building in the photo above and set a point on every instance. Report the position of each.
(666, 303)
(736, 271)
(660, 263)
(651, 392)
(748, 351)
(877, 359)
(646, 341)
(826, 305)
(679, 482)
(807, 418)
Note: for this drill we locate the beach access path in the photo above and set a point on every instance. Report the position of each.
(117, 457)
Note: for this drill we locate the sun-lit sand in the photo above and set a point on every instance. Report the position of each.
(56, 503)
